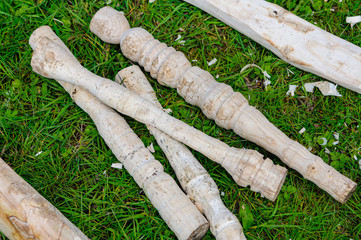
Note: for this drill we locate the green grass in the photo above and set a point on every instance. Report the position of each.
(37, 115)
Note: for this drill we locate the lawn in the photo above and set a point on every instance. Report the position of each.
(54, 145)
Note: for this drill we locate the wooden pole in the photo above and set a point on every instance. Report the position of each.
(25, 214)
(218, 101)
(180, 214)
(291, 38)
(248, 168)
(194, 179)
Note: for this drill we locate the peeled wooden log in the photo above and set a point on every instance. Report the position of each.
(25, 214)
(194, 179)
(247, 167)
(217, 100)
(291, 38)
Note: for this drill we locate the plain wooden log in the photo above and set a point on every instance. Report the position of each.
(219, 102)
(25, 214)
(247, 167)
(194, 179)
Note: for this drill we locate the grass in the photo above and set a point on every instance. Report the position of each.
(73, 168)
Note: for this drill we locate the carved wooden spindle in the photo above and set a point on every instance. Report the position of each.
(218, 101)
(173, 205)
(194, 179)
(180, 214)
(53, 60)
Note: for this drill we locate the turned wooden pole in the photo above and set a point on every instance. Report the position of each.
(291, 38)
(173, 205)
(217, 100)
(247, 167)
(180, 214)
(25, 214)
(194, 179)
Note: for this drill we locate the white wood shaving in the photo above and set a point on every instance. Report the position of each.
(309, 87)
(327, 151)
(302, 130)
(324, 141)
(178, 39)
(336, 135)
(151, 148)
(289, 71)
(353, 20)
(266, 83)
(291, 90)
(151, 1)
(213, 61)
(335, 143)
(326, 88)
(266, 76)
(58, 20)
(117, 165)
(38, 153)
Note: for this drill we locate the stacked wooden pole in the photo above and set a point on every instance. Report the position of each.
(194, 179)
(218, 101)
(34, 218)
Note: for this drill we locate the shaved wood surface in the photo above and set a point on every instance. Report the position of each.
(194, 179)
(25, 214)
(247, 167)
(218, 101)
(291, 38)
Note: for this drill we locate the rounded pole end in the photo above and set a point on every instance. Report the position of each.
(109, 25)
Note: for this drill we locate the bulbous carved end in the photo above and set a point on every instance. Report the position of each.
(234, 232)
(248, 168)
(51, 58)
(38, 34)
(109, 25)
(269, 180)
